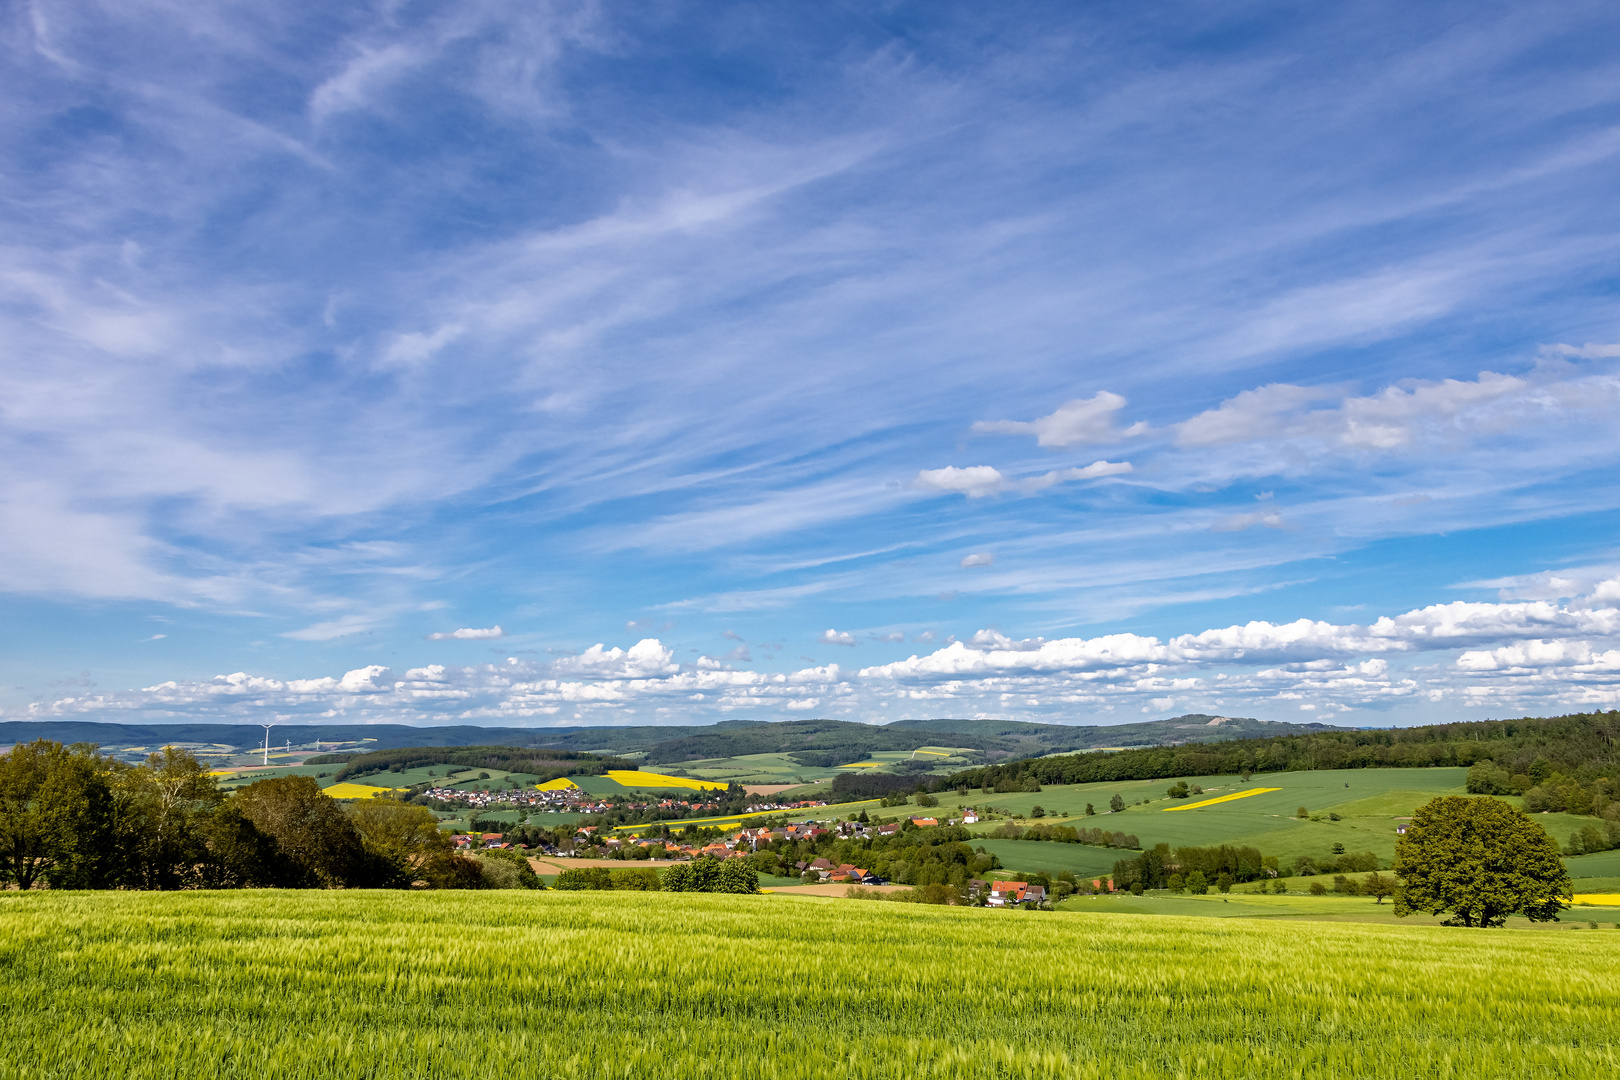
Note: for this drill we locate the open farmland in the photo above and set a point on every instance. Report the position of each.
(257, 984)
(1368, 802)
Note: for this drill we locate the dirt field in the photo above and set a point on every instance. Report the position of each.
(830, 890)
(768, 789)
(557, 866)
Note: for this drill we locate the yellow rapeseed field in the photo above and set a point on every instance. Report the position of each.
(562, 783)
(1222, 798)
(637, 778)
(357, 791)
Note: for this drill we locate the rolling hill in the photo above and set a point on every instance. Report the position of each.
(815, 744)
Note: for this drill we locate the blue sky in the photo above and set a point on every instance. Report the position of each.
(574, 363)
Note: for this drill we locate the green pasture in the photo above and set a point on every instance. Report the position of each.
(257, 984)
(752, 769)
(779, 768)
(1369, 802)
(1300, 905)
(1078, 859)
(325, 775)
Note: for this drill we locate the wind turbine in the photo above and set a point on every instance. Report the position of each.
(267, 728)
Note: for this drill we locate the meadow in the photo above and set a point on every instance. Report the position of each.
(1368, 802)
(478, 984)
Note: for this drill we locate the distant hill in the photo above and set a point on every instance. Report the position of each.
(813, 742)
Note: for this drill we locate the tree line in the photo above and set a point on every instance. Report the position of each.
(1579, 748)
(72, 818)
(545, 764)
(1065, 834)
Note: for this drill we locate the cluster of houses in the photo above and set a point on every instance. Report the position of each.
(1006, 893)
(572, 799)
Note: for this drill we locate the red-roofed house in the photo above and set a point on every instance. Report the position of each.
(1005, 893)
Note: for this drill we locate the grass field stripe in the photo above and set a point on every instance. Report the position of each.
(1222, 798)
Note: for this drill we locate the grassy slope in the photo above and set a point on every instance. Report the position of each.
(1368, 806)
(1297, 906)
(1079, 859)
(265, 984)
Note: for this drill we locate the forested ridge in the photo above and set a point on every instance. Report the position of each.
(544, 763)
(1580, 746)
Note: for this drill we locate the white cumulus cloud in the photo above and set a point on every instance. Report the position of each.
(1083, 421)
(468, 633)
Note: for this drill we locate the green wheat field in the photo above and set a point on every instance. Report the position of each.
(447, 984)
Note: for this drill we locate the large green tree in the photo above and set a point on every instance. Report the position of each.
(168, 802)
(403, 836)
(312, 832)
(1479, 860)
(58, 816)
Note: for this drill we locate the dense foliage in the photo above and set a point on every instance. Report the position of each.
(73, 819)
(1579, 750)
(1479, 860)
(1065, 834)
(546, 764)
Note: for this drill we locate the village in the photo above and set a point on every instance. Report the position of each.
(589, 842)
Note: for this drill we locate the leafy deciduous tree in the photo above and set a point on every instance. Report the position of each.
(1480, 860)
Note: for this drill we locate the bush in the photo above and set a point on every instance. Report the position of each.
(1487, 778)
(507, 870)
(640, 879)
(583, 877)
(708, 874)
(1318, 889)
(1302, 813)
(1197, 883)
(1346, 885)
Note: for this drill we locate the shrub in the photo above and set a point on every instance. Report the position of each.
(584, 877)
(638, 879)
(1318, 889)
(1197, 883)
(504, 870)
